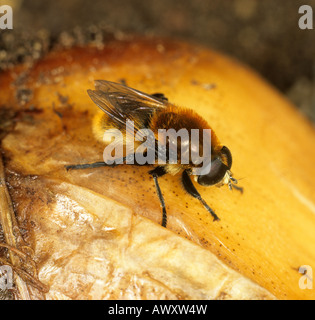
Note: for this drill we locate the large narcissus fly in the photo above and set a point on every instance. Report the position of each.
(121, 104)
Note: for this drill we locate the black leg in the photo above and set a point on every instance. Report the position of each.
(98, 164)
(190, 188)
(86, 165)
(240, 189)
(156, 173)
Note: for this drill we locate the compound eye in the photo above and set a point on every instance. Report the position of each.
(227, 156)
(216, 174)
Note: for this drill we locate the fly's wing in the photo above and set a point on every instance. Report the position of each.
(122, 103)
(127, 97)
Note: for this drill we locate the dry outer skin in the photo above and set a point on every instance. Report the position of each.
(97, 234)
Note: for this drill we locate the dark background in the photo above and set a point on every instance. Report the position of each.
(261, 33)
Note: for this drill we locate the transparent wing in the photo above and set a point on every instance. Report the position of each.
(120, 91)
(121, 95)
(121, 103)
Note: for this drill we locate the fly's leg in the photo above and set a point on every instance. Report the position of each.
(190, 188)
(100, 164)
(156, 173)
